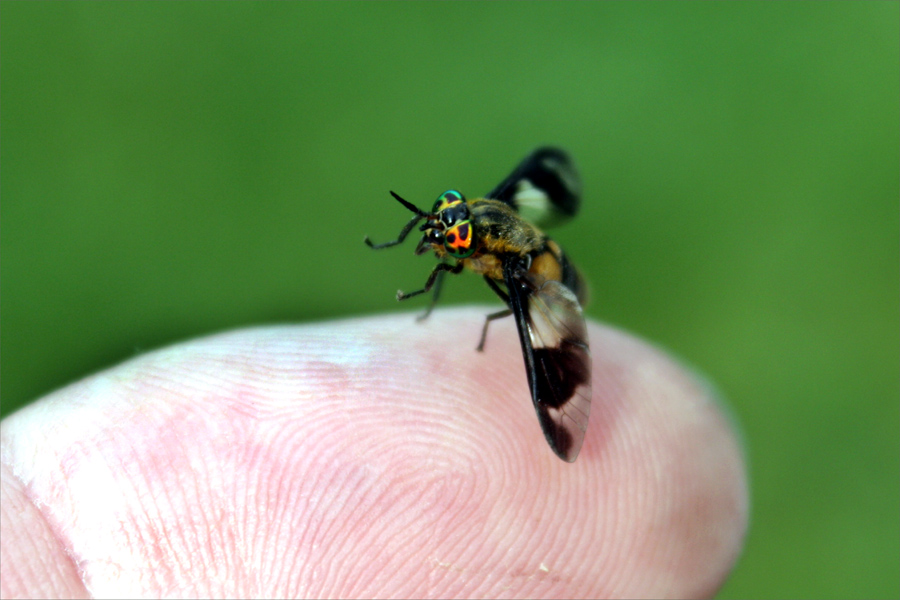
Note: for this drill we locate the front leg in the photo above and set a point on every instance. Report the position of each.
(435, 294)
(438, 269)
(403, 233)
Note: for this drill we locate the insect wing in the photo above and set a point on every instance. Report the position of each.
(554, 344)
(545, 188)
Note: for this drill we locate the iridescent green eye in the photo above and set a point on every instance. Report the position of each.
(446, 199)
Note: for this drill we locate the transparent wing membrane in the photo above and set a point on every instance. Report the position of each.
(554, 342)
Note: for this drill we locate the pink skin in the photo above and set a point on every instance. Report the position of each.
(373, 457)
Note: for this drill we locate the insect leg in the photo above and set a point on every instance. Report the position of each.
(434, 296)
(403, 233)
(497, 315)
(438, 269)
(493, 285)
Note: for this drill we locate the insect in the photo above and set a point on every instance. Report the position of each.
(498, 237)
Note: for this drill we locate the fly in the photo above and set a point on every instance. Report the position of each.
(498, 237)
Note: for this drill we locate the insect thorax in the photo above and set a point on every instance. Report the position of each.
(501, 231)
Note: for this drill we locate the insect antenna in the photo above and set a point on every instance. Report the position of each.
(410, 206)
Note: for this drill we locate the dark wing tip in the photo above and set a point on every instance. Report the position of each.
(562, 395)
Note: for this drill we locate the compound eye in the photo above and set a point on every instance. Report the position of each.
(459, 240)
(446, 199)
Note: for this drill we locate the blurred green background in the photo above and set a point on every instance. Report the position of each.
(171, 170)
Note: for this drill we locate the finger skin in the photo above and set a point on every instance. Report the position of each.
(371, 457)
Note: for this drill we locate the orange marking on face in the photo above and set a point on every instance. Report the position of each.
(460, 236)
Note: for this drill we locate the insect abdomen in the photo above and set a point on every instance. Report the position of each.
(553, 264)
